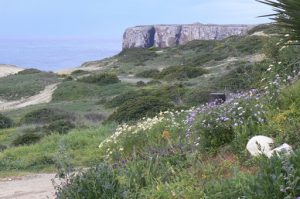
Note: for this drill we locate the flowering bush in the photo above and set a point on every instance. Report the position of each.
(131, 139)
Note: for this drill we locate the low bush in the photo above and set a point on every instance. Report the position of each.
(5, 122)
(101, 79)
(136, 56)
(154, 82)
(60, 126)
(197, 96)
(215, 132)
(138, 108)
(99, 182)
(26, 138)
(29, 71)
(79, 72)
(169, 93)
(140, 84)
(181, 72)
(46, 115)
(151, 73)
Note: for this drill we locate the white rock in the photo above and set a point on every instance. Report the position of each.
(260, 145)
(283, 149)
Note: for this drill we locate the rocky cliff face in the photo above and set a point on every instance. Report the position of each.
(162, 36)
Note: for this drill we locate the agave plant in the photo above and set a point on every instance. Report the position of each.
(287, 15)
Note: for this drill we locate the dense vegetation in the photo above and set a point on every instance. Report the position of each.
(5, 122)
(101, 79)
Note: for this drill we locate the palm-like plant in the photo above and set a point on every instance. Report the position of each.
(287, 15)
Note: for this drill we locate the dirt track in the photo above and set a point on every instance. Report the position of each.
(44, 96)
(37, 186)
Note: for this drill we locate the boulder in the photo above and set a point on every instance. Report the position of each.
(283, 149)
(260, 145)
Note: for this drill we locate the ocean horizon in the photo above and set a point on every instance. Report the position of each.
(56, 53)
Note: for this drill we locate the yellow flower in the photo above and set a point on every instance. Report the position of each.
(166, 135)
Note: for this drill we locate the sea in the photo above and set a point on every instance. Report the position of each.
(56, 53)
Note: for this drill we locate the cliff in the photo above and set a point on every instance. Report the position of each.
(162, 36)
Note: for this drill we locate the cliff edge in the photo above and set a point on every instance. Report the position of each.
(162, 36)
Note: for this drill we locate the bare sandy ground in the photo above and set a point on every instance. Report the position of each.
(37, 186)
(44, 96)
(6, 70)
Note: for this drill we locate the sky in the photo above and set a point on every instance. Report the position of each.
(107, 19)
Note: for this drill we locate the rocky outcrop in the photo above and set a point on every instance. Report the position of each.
(162, 36)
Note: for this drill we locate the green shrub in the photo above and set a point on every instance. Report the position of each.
(79, 72)
(140, 84)
(29, 71)
(101, 79)
(138, 108)
(181, 72)
(99, 182)
(136, 56)
(46, 115)
(154, 82)
(151, 73)
(197, 96)
(214, 131)
(5, 122)
(26, 138)
(68, 78)
(60, 126)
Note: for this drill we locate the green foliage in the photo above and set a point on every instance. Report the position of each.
(136, 56)
(74, 91)
(266, 28)
(14, 87)
(5, 122)
(181, 72)
(140, 84)
(25, 139)
(138, 108)
(151, 73)
(60, 126)
(235, 46)
(101, 79)
(286, 16)
(79, 72)
(215, 132)
(99, 182)
(80, 145)
(46, 115)
(245, 76)
(197, 96)
(168, 93)
(29, 71)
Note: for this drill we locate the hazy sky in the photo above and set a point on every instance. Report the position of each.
(107, 19)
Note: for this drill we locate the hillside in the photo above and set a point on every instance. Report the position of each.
(140, 125)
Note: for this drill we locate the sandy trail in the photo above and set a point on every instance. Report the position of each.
(44, 96)
(37, 186)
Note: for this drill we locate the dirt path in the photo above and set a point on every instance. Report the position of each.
(37, 186)
(44, 96)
